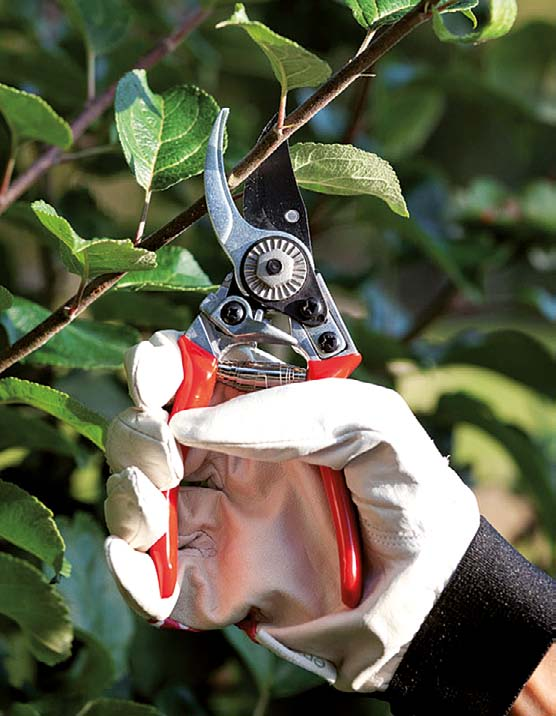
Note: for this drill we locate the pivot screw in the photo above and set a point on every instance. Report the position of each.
(273, 267)
(232, 313)
(310, 309)
(328, 342)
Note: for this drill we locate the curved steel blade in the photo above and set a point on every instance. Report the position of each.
(229, 226)
(272, 199)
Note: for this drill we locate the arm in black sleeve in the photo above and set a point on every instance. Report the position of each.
(483, 639)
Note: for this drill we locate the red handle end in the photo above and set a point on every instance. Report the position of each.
(339, 498)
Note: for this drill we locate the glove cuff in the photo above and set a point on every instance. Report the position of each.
(494, 615)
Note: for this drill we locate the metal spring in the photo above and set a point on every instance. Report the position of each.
(248, 376)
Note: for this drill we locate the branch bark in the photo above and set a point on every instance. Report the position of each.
(267, 144)
(433, 310)
(98, 106)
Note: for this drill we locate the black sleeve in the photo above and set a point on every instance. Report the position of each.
(483, 639)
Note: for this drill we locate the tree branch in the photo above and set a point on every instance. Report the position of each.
(100, 104)
(267, 144)
(433, 310)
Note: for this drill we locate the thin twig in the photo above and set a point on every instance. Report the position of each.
(88, 152)
(281, 112)
(143, 219)
(433, 310)
(358, 112)
(328, 91)
(267, 144)
(10, 164)
(366, 42)
(263, 701)
(94, 110)
(72, 307)
(91, 74)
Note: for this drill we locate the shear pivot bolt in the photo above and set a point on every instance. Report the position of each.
(328, 342)
(232, 313)
(273, 267)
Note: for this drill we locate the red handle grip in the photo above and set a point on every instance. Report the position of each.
(199, 377)
(339, 498)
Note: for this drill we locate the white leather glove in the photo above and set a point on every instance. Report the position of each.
(257, 538)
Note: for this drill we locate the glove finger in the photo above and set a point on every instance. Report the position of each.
(135, 576)
(154, 370)
(143, 439)
(324, 422)
(135, 509)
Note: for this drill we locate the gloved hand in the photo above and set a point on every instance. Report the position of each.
(255, 532)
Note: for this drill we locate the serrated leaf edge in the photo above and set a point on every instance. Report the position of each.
(48, 108)
(101, 423)
(58, 563)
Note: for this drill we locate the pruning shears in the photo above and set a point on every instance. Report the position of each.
(273, 273)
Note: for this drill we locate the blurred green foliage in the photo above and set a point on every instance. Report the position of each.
(455, 307)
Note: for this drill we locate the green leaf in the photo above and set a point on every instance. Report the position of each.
(27, 523)
(30, 117)
(23, 429)
(19, 663)
(92, 257)
(373, 13)
(502, 14)
(348, 171)
(53, 71)
(293, 66)
(117, 707)
(93, 669)
(271, 674)
(377, 349)
(164, 137)
(176, 270)
(434, 233)
(486, 200)
(60, 405)
(458, 408)
(543, 300)
(504, 352)
(23, 710)
(403, 119)
(82, 344)
(103, 23)
(146, 311)
(538, 203)
(6, 298)
(522, 68)
(369, 12)
(40, 612)
(95, 604)
(364, 11)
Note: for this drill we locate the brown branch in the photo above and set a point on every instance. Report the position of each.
(96, 108)
(433, 310)
(267, 144)
(328, 91)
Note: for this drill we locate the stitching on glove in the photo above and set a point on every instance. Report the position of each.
(384, 537)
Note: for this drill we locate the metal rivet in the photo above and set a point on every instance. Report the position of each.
(310, 308)
(291, 216)
(328, 342)
(232, 313)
